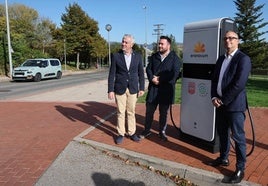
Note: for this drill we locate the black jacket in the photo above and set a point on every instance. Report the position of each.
(168, 72)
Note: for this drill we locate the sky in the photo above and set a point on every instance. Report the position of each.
(140, 17)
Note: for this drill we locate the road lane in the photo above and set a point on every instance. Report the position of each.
(15, 90)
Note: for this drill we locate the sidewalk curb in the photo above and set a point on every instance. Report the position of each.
(197, 176)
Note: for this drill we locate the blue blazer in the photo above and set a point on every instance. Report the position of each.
(120, 78)
(233, 82)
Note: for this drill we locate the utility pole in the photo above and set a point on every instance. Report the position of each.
(158, 31)
(64, 48)
(9, 43)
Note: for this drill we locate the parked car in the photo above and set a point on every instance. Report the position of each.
(38, 69)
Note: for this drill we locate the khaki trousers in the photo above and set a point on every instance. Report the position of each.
(126, 104)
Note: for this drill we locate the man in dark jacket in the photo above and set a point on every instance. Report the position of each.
(228, 93)
(125, 83)
(162, 72)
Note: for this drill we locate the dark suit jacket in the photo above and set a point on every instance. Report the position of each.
(168, 72)
(120, 78)
(233, 82)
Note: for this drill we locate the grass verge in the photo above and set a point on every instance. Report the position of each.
(257, 92)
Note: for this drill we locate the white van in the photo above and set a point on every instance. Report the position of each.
(38, 69)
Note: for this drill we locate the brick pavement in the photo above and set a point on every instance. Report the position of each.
(34, 133)
(178, 151)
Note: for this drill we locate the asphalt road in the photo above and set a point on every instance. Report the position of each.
(12, 90)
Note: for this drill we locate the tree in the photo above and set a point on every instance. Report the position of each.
(3, 46)
(249, 21)
(79, 30)
(58, 43)
(42, 33)
(99, 49)
(174, 46)
(28, 33)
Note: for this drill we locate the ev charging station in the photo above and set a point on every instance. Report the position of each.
(202, 45)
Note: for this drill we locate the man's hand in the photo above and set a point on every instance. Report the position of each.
(217, 102)
(140, 93)
(155, 80)
(111, 95)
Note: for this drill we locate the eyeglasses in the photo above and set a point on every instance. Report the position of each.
(230, 38)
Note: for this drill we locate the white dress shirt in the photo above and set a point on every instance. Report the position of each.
(128, 60)
(224, 66)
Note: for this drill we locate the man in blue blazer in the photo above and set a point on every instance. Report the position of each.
(228, 94)
(125, 83)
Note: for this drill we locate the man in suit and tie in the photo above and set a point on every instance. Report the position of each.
(228, 94)
(125, 84)
(162, 72)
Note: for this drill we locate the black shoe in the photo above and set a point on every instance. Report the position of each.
(144, 134)
(135, 138)
(219, 162)
(237, 177)
(119, 139)
(163, 136)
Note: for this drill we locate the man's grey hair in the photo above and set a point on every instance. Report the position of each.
(131, 38)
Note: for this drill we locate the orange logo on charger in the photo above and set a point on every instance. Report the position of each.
(199, 47)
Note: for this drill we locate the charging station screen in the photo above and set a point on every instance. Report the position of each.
(200, 47)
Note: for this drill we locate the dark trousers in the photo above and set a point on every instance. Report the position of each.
(149, 116)
(232, 122)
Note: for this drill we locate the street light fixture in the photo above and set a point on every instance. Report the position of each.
(108, 27)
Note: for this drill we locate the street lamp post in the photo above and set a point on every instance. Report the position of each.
(145, 44)
(8, 42)
(108, 27)
(64, 45)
